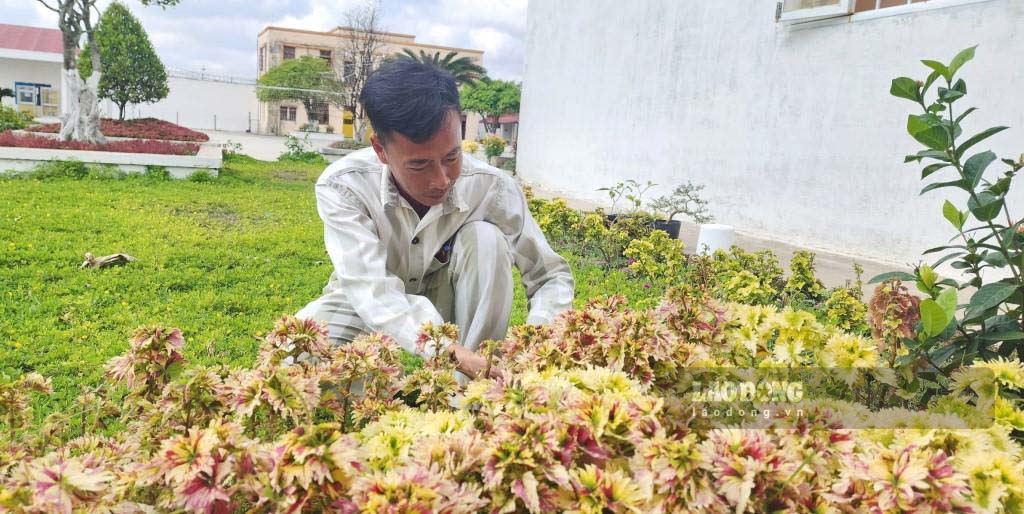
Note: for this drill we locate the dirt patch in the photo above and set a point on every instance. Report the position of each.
(212, 215)
(291, 176)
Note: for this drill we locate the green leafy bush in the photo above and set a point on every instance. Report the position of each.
(13, 119)
(493, 146)
(991, 323)
(156, 172)
(557, 220)
(802, 281)
(300, 150)
(656, 257)
(201, 175)
(59, 169)
(845, 311)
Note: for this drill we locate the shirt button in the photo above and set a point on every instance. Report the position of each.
(415, 240)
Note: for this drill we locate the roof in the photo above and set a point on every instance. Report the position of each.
(31, 39)
(337, 32)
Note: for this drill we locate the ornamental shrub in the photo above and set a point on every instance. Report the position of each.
(13, 119)
(656, 257)
(590, 415)
(139, 128)
(493, 146)
(470, 146)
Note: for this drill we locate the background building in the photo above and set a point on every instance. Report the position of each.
(274, 45)
(30, 62)
(791, 127)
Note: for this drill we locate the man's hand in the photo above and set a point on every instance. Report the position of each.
(470, 362)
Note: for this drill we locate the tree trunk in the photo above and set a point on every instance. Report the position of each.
(120, 111)
(81, 122)
(358, 125)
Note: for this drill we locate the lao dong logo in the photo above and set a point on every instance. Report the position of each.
(768, 391)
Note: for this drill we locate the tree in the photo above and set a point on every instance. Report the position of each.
(491, 99)
(361, 48)
(307, 79)
(132, 72)
(81, 117)
(463, 69)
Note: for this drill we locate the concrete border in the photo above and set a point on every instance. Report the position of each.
(317, 136)
(19, 159)
(333, 154)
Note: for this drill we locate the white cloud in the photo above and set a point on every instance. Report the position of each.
(221, 34)
(323, 15)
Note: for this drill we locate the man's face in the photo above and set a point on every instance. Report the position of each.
(424, 172)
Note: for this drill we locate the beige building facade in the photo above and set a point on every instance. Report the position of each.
(274, 45)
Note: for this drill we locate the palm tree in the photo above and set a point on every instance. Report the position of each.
(463, 69)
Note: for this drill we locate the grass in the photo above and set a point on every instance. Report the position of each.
(221, 260)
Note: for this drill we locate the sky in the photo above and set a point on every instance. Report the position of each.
(220, 35)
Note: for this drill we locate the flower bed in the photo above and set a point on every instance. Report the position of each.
(588, 417)
(142, 128)
(151, 146)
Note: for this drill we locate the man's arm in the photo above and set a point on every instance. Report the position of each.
(359, 258)
(546, 275)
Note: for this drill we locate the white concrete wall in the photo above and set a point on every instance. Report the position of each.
(199, 104)
(19, 70)
(793, 131)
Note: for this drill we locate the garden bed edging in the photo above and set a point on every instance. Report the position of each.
(20, 159)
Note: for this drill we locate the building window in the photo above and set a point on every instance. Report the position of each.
(870, 5)
(318, 113)
(289, 52)
(326, 55)
(27, 94)
(287, 113)
(263, 56)
(349, 69)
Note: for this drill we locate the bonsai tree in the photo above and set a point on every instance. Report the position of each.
(684, 199)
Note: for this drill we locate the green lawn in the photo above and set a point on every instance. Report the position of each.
(221, 260)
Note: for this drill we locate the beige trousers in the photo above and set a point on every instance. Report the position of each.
(473, 290)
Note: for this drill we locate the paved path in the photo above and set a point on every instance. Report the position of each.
(264, 148)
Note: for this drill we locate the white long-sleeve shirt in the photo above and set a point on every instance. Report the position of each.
(382, 250)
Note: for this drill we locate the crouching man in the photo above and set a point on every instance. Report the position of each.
(419, 232)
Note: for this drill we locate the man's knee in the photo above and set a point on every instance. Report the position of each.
(480, 242)
(343, 324)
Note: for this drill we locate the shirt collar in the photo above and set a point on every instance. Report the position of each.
(389, 194)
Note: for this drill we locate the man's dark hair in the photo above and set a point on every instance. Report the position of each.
(409, 97)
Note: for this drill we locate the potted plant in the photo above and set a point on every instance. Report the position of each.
(684, 199)
(631, 192)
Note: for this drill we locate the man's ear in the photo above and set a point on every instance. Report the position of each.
(379, 148)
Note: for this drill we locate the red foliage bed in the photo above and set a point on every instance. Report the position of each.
(142, 128)
(9, 138)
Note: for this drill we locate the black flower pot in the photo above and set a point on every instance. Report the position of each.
(671, 227)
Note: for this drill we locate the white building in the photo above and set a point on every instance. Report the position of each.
(790, 126)
(30, 64)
